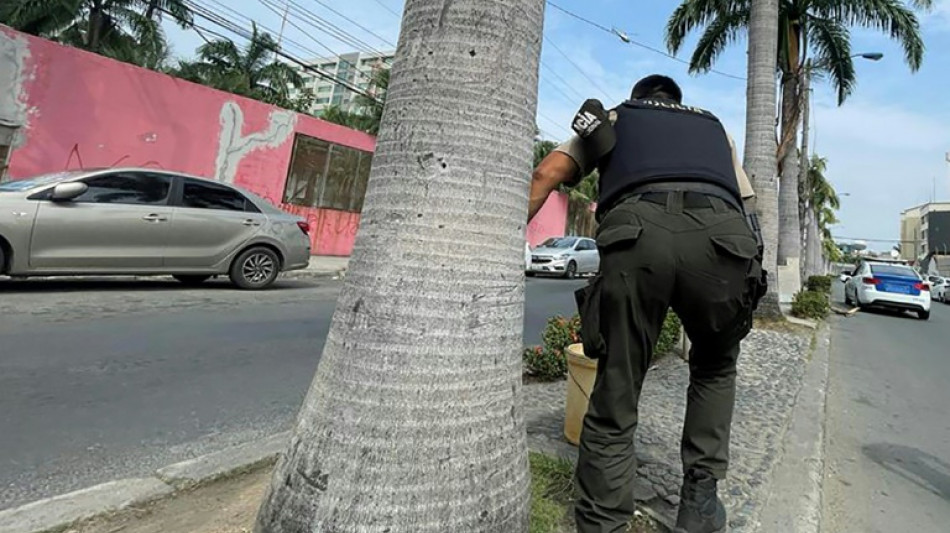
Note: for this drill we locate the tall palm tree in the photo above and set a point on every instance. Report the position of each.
(249, 71)
(113, 28)
(822, 205)
(759, 153)
(414, 423)
(805, 27)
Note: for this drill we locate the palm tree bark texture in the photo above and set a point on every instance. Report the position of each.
(413, 422)
(760, 142)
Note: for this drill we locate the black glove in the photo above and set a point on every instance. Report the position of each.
(592, 125)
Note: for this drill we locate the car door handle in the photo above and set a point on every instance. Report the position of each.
(155, 218)
(251, 222)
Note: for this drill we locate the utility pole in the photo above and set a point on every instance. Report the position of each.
(283, 24)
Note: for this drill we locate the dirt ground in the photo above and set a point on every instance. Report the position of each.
(223, 507)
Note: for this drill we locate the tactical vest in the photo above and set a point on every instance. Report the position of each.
(663, 141)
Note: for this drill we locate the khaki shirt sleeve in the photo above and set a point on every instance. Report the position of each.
(574, 148)
(745, 187)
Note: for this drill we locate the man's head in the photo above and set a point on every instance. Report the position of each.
(657, 86)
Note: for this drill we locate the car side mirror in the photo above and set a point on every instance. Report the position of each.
(65, 192)
(845, 277)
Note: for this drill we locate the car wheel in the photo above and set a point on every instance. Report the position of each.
(255, 268)
(529, 274)
(3, 261)
(196, 279)
(571, 272)
(847, 297)
(923, 315)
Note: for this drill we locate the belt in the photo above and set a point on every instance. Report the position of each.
(691, 199)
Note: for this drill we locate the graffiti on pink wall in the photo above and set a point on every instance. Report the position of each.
(76, 110)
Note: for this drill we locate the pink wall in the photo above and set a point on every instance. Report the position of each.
(81, 110)
(551, 220)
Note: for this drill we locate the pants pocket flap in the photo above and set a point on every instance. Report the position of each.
(611, 235)
(741, 246)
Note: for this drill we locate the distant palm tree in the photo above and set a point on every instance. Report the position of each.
(249, 71)
(821, 207)
(819, 27)
(114, 28)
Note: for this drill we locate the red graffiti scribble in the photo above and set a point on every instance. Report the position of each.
(76, 153)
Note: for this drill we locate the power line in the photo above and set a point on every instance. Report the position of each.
(324, 26)
(357, 24)
(576, 66)
(566, 84)
(387, 8)
(225, 23)
(625, 38)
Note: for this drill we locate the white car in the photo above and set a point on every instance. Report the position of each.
(888, 285)
(567, 257)
(938, 288)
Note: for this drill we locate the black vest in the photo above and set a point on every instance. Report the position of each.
(663, 141)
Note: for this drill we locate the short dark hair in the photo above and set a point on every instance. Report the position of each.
(657, 86)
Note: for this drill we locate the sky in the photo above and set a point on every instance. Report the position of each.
(886, 146)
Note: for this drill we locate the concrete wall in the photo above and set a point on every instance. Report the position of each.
(73, 110)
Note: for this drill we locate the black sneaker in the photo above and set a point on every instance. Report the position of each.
(700, 509)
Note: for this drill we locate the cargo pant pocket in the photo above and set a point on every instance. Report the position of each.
(741, 252)
(588, 307)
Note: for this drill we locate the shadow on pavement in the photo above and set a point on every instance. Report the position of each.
(920, 468)
(882, 311)
(119, 284)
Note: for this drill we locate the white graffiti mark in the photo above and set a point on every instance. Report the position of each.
(232, 147)
(14, 53)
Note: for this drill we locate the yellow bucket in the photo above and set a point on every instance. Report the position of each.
(581, 372)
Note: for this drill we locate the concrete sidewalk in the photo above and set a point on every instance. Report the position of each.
(321, 266)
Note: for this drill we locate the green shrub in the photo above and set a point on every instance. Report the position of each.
(669, 335)
(545, 364)
(549, 361)
(819, 284)
(811, 304)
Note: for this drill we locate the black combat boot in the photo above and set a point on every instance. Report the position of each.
(700, 509)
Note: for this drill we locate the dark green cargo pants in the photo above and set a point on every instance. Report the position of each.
(697, 255)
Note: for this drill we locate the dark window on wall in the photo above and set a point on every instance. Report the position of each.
(6, 141)
(327, 175)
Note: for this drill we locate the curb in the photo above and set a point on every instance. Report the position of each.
(794, 502)
(53, 515)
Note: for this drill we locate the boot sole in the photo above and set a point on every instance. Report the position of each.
(723, 530)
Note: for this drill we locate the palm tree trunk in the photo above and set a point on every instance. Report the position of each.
(95, 27)
(760, 140)
(815, 243)
(803, 186)
(414, 421)
(789, 242)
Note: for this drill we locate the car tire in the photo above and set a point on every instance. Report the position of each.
(529, 274)
(571, 271)
(923, 315)
(847, 297)
(255, 268)
(192, 279)
(3, 261)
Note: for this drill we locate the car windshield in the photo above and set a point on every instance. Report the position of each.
(38, 181)
(559, 242)
(893, 270)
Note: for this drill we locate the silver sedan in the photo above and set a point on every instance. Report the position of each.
(137, 221)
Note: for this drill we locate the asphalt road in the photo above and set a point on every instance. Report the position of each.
(107, 380)
(888, 432)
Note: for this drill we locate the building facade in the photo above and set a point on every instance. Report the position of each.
(925, 229)
(356, 69)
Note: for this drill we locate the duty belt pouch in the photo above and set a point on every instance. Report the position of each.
(588, 306)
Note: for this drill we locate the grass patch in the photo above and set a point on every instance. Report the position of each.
(552, 487)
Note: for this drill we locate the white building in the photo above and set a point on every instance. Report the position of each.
(355, 68)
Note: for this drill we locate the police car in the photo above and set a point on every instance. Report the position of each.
(888, 285)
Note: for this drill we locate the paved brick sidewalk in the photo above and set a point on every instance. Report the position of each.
(771, 369)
